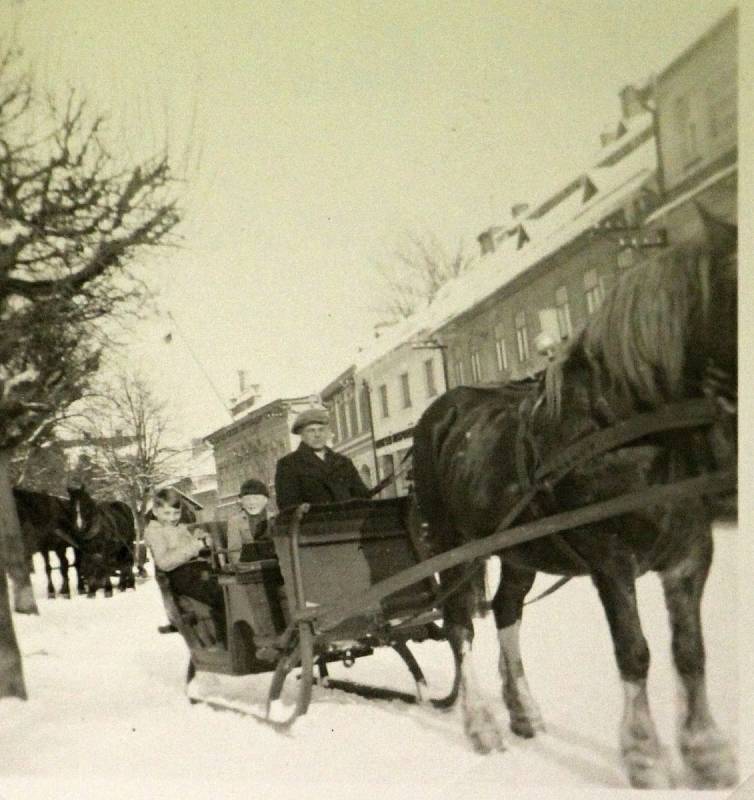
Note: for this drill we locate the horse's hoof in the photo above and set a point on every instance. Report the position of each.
(108, 592)
(91, 595)
(647, 769)
(527, 728)
(51, 595)
(483, 731)
(67, 595)
(709, 760)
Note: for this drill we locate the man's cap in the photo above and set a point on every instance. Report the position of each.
(253, 486)
(312, 416)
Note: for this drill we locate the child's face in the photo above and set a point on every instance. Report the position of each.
(167, 515)
(253, 503)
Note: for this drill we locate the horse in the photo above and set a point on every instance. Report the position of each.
(106, 531)
(44, 527)
(667, 332)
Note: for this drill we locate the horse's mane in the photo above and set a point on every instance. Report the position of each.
(638, 338)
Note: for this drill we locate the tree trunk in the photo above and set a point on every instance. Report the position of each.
(11, 668)
(140, 550)
(15, 561)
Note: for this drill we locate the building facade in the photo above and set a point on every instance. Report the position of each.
(250, 447)
(696, 99)
(348, 404)
(555, 262)
(400, 381)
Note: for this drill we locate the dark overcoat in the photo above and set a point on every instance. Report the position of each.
(303, 477)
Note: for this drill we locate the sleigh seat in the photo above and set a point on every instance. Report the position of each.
(192, 618)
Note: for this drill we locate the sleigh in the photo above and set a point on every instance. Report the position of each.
(336, 581)
(273, 596)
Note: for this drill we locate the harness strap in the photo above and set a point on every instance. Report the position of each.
(549, 590)
(684, 414)
(349, 604)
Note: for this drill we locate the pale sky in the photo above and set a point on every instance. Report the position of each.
(320, 132)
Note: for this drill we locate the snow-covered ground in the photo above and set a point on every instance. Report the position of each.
(108, 717)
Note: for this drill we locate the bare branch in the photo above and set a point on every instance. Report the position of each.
(416, 271)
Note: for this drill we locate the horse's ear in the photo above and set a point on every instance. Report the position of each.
(722, 236)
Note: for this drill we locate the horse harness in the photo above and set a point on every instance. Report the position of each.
(542, 477)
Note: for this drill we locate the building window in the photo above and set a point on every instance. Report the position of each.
(687, 132)
(342, 419)
(405, 390)
(459, 372)
(334, 423)
(364, 407)
(522, 337)
(721, 101)
(383, 402)
(563, 309)
(626, 257)
(366, 475)
(501, 353)
(476, 367)
(353, 413)
(592, 291)
(387, 467)
(429, 377)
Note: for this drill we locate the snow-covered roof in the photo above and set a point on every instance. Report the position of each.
(547, 233)
(635, 126)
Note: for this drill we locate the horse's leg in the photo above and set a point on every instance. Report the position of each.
(507, 605)
(640, 746)
(706, 751)
(127, 571)
(80, 585)
(65, 589)
(479, 723)
(108, 586)
(48, 570)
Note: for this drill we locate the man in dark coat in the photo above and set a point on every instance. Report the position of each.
(314, 473)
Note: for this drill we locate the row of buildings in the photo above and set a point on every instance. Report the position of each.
(542, 272)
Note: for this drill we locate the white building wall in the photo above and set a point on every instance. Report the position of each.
(387, 371)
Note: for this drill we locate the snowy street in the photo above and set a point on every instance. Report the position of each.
(108, 714)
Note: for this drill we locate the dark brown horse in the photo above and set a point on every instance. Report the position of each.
(44, 526)
(106, 532)
(665, 334)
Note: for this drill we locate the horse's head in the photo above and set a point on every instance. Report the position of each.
(82, 512)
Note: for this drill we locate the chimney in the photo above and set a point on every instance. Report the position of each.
(518, 209)
(606, 137)
(486, 241)
(241, 381)
(632, 100)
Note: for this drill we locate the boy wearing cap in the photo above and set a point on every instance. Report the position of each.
(314, 473)
(246, 524)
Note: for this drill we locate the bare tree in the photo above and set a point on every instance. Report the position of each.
(126, 431)
(73, 218)
(419, 266)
